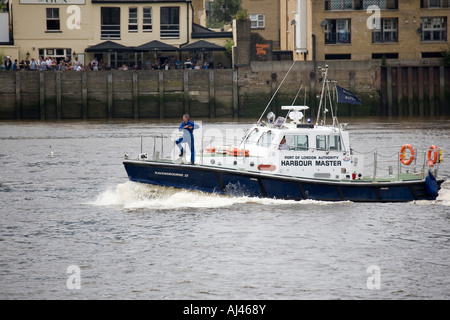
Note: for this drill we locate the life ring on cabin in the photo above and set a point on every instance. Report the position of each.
(210, 150)
(403, 159)
(431, 162)
(237, 152)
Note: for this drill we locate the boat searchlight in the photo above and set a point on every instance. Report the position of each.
(295, 112)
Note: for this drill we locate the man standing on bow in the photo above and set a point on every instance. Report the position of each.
(187, 127)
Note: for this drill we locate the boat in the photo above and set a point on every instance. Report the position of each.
(315, 161)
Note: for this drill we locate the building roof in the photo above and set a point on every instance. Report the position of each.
(200, 32)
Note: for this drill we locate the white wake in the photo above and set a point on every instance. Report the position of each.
(132, 195)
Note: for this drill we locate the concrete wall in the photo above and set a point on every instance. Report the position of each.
(222, 93)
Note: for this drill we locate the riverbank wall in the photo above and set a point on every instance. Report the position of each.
(399, 90)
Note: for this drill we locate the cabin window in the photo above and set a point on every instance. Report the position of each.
(297, 142)
(321, 142)
(335, 142)
(266, 139)
(252, 137)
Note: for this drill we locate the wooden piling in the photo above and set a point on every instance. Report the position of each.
(161, 94)
(135, 96)
(58, 95)
(18, 97)
(110, 95)
(186, 91)
(84, 93)
(42, 95)
(235, 95)
(212, 96)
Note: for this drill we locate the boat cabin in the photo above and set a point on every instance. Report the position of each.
(295, 148)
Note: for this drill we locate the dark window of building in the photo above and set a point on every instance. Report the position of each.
(147, 19)
(435, 3)
(388, 31)
(132, 19)
(110, 23)
(170, 22)
(338, 31)
(53, 19)
(385, 55)
(432, 55)
(342, 56)
(433, 29)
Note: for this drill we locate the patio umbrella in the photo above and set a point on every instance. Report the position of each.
(202, 45)
(155, 45)
(108, 46)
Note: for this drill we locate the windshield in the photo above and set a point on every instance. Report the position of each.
(252, 137)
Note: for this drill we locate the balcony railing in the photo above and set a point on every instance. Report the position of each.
(110, 31)
(170, 31)
(384, 36)
(426, 4)
(331, 5)
(436, 35)
(338, 37)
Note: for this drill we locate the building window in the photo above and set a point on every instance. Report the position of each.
(170, 22)
(339, 5)
(52, 19)
(435, 3)
(110, 19)
(385, 55)
(338, 56)
(426, 55)
(147, 19)
(257, 21)
(58, 53)
(331, 5)
(388, 32)
(433, 29)
(338, 31)
(132, 19)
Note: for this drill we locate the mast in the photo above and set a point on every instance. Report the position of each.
(324, 80)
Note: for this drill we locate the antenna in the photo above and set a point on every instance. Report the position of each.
(276, 91)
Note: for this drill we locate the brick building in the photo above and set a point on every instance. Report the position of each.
(353, 29)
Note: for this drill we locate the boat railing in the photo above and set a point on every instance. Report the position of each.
(163, 147)
(394, 164)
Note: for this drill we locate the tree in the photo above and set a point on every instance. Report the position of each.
(446, 55)
(223, 11)
(2, 5)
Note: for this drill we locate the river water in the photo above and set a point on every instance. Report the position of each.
(73, 227)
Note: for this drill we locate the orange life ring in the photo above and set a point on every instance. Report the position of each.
(210, 150)
(403, 159)
(432, 162)
(237, 152)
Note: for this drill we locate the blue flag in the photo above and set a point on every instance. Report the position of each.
(346, 96)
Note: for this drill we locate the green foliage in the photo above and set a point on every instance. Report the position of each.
(223, 11)
(446, 55)
(2, 5)
(242, 15)
(229, 47)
